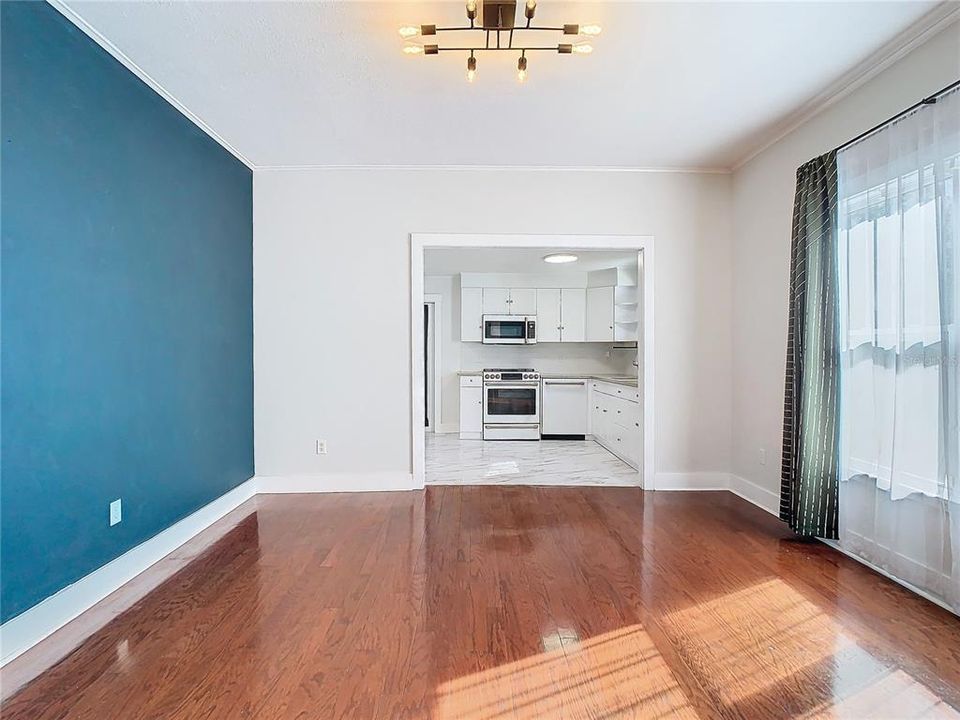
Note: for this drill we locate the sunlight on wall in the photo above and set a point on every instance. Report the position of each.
(618, 672)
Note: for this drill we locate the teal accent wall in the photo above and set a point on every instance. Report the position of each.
(126, 309)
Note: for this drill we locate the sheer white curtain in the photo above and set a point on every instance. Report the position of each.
(899, 260)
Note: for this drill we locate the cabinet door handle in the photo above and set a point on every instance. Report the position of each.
(569, 382)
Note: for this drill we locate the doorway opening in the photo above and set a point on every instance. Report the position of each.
(609, 330)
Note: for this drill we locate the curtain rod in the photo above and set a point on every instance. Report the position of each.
(930, 100)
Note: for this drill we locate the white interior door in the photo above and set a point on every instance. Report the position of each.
(573, 315)
(548, 315)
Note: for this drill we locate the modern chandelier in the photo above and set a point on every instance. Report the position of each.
(496, 32)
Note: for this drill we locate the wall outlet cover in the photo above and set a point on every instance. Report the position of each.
(321, 447)
(116, 512)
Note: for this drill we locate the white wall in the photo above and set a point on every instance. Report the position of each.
(331, 299)
(763, 191)
(545, 357)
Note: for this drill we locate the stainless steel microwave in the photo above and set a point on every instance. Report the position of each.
(509, 329)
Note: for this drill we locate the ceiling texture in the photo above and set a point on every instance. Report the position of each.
(669, 85)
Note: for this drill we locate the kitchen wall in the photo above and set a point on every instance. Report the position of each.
(545, 357)
(763, 192)
(127, 309)
(332, 308)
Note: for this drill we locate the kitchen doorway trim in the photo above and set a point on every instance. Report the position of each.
(642, 244)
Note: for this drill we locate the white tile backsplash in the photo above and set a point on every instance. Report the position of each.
(550, 357)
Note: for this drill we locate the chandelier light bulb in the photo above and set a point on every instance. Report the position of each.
(583, 48)
(412, 49)
(530, 9)
(408, 31)
(522, 69)
(590, 29)
(471, 9)
(471, 68)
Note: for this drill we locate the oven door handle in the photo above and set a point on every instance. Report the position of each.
(495, 426)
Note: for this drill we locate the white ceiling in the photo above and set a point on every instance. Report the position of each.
(696, 85)
(451, 261)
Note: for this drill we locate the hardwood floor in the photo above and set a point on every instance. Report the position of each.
(497, 602)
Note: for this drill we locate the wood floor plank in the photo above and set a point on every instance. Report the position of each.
(497, 602)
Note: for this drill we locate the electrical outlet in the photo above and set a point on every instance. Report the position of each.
(321, 447)
(116, 512)
(763, 456)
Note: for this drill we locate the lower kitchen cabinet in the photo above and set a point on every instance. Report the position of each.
(615, 419)
(471, 407)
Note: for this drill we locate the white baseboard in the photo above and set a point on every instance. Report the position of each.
(691, 481)
(336, 482)
(876, 568)
(759, 496)
(30, 627)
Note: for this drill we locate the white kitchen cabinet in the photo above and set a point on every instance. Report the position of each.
(496, 301)
(471, 408)
(471, 315)
(573, 315)
(615, 420)
(599, 314)
(523, 301)
(548, 315)
(564, 406)
(509, 301)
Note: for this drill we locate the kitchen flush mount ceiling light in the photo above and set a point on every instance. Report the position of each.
(493, 25)
(560, 258)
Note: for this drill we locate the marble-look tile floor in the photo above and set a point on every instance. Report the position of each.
(452, 461)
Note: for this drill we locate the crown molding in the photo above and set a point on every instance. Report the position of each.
(932, 23)
(130, 65)
(505, 168)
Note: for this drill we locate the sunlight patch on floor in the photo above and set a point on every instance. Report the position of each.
(895, 694)
(616, 675)
(767, 638)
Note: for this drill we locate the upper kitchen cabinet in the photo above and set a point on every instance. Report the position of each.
(471, 314)
(600, 326)
(573, 315)
(548, 315)
(496, 301)
(594, 306)
(509, 301)
(523, 301)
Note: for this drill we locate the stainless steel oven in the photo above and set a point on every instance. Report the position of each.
(511, 404)
(510, 329)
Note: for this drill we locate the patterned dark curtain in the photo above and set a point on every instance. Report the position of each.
(810, 465)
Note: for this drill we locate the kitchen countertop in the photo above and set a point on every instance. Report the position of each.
(616, 379)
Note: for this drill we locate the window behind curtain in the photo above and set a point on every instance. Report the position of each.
(899, 271)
